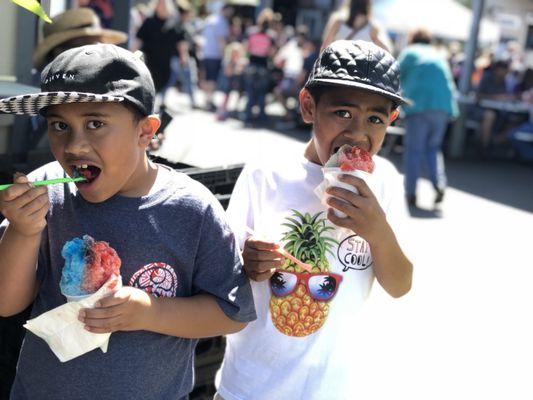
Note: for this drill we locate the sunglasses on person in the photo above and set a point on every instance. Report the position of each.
(321, 286)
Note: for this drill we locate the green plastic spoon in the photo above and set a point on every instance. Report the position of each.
(49, 182)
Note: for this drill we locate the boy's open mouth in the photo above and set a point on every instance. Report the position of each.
(89, 172)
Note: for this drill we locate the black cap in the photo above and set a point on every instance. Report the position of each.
(359, 64)
(94, 73)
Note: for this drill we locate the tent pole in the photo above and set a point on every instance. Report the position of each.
(458, 132)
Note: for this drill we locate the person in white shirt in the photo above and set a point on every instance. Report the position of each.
(353, 22)
(300, 345)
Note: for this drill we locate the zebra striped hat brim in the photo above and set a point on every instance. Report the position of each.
(32, 104)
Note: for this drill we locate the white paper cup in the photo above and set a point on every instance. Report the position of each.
(331, 178)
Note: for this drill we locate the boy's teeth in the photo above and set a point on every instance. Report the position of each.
(84, 166)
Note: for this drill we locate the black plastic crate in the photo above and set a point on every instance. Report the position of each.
(220, 181)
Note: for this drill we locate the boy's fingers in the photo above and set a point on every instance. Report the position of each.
(260, 255)
(41, 211)
(89, 314)
(358, 183)
(346, 195)
(342, 205)
(19, 177)
(35, 205)
(113, 299)
(15, 191)
(257, 244)
(102, 324)
(343, 222)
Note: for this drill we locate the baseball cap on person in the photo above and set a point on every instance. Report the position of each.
(94, 73)
(359, 64)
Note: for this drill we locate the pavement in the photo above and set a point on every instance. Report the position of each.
(464, 330)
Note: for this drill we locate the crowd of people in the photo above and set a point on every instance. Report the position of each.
(259, 60)
(227, 53)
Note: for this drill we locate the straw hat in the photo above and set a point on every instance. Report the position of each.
(184, 4)
(72, 24)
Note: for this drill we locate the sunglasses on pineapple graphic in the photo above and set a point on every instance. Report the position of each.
(320, 286)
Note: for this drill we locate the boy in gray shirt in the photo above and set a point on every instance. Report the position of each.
(180, 263)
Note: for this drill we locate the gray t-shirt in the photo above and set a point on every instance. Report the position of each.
(174, 243)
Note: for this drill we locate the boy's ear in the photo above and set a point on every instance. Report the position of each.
(394, 115)
(307, 106)
(148, 127)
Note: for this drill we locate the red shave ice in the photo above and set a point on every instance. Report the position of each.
(102, 262)
(354, 158)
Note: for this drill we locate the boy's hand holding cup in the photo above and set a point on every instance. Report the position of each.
(91, 273)
(347, 160)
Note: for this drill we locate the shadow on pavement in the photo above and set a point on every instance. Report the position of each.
(503, 181)
(417, 212)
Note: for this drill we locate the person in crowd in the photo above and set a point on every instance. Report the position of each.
(290, 58)
(103, 8)
(260, 47)
(183, 66)
(138, 14)
(493, 86)
(216, 34)
(427, 81)
(162, 37)
(300, 346)
(353, 21)
(521, 137)
(234, 65)
(72, 28)
(180, 264)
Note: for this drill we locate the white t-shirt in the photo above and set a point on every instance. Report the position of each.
(216, 28)
(292, 57)
(261, 362)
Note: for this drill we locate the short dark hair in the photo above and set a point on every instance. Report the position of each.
(420, 35)
(136, 114)
(317, 91)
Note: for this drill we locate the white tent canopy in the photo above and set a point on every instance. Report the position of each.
(443, 18)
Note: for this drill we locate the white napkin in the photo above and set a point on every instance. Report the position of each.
(331, 178)
(64, 333)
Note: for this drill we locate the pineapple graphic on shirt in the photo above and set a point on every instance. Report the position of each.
(298, 314)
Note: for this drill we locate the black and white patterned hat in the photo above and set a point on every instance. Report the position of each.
(89, 74)
(359, 64)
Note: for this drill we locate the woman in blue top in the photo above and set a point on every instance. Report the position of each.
(427, 81)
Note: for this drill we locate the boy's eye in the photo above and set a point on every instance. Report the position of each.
(343, 114)
(58, 126)
(375, 120)
(95, 124)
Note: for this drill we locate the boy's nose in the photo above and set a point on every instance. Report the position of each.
(77, 144)
(355, 129)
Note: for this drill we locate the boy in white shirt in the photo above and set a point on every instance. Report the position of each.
(299, 346)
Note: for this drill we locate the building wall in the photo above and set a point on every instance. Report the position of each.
(8, 18)
(7, 44)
